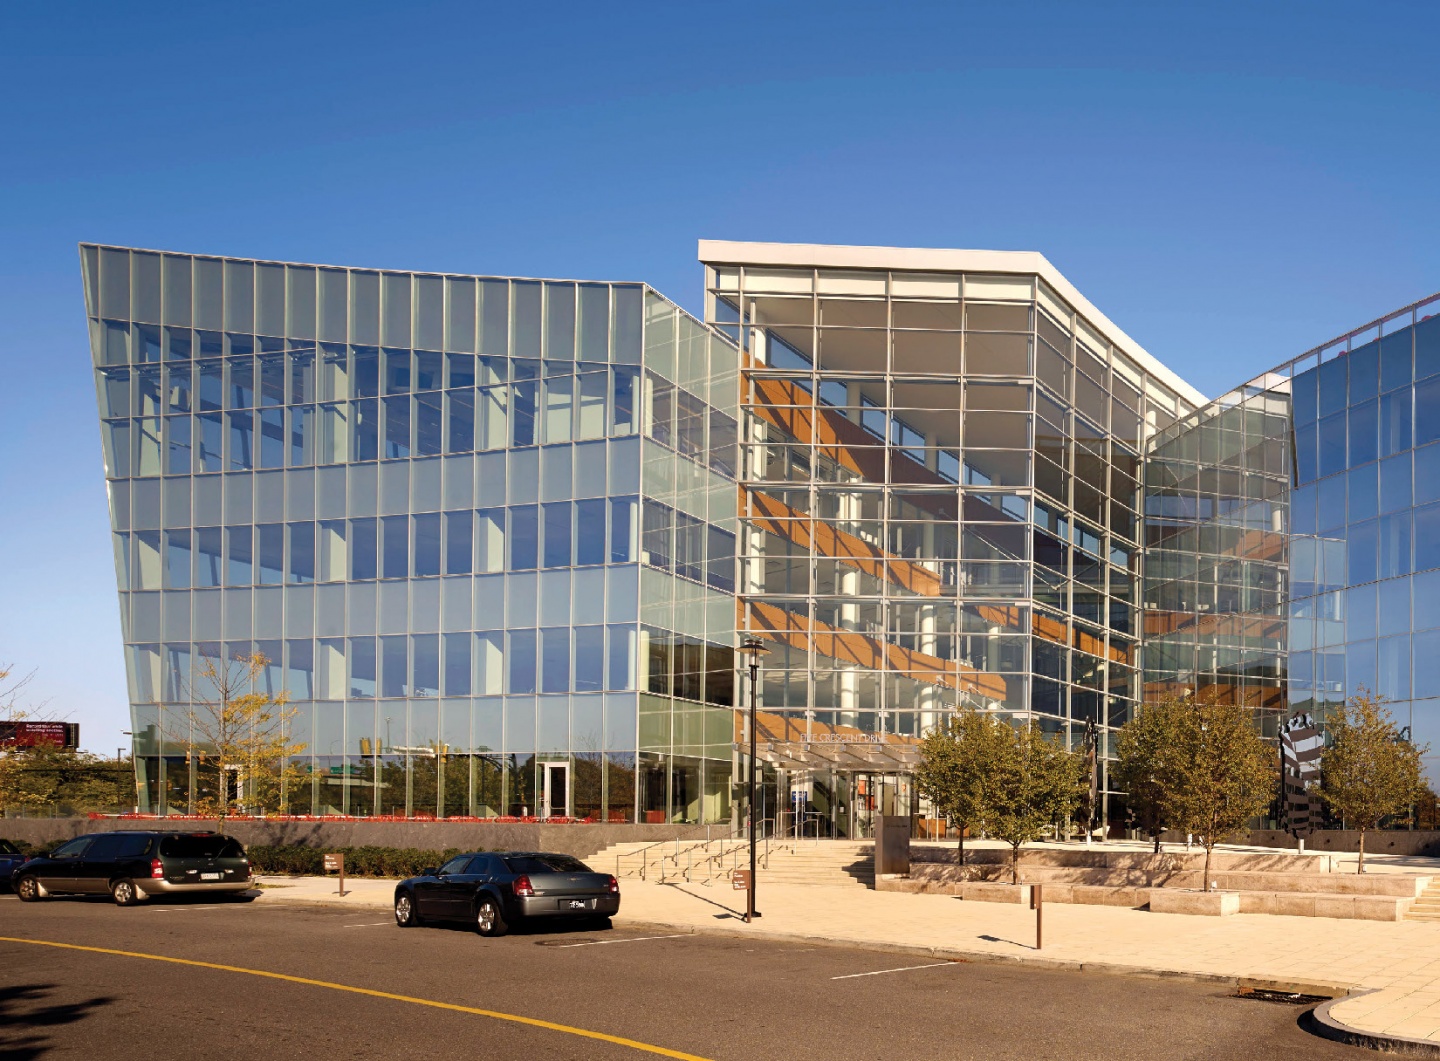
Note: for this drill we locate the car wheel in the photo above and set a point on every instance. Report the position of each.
(124, 893)
(29, 890)
(405, 915)
(489, 921)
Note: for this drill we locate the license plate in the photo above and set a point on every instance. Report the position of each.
(211, 876)
(577, 904)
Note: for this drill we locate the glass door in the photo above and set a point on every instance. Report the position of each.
(555, 791)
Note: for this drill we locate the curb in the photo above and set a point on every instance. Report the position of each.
(1323, 1024)
(1336, 992)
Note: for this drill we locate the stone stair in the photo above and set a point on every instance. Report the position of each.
(832, 862)
(1427, 906)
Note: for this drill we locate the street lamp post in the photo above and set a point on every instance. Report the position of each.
(752, 648)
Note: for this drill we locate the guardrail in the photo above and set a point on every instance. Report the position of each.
(644, 862)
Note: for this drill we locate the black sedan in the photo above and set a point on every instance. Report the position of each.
(10, 860)
(494, 891)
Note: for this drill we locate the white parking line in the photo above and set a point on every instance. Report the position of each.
(597, 942)
(371, 924)
(902, 969)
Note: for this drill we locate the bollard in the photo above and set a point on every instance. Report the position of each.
(1037, 903)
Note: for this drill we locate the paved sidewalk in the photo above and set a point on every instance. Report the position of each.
(1397, 964)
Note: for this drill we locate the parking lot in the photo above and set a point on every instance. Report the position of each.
(197, 977)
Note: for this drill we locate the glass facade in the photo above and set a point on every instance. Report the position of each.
(939, 506)
(1293, 526)
(482, 528)
(498, 537)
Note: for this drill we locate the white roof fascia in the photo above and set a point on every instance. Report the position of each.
(938, 260)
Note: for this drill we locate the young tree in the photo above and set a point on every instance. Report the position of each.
(27, 781)
(239, 738)
(957, 761)
(1036, 781)
(47, 775)
(1219, 773)
(1142, 748)
(1369, 771)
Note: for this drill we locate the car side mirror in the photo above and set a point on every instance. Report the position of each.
(430, 872)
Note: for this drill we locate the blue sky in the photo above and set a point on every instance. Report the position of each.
(1230, 183)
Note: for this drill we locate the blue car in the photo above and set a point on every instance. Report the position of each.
(10, 860)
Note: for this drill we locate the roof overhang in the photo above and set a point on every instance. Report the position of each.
(940, 260)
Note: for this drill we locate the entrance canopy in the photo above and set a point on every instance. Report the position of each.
(794, 742)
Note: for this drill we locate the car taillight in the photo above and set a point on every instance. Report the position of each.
(157, 869)
(522, 887)
(613, 885)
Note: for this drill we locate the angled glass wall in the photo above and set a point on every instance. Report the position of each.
(1365, 608)
(939, 506)
(1292, 529)
(1217, 553)
(436, 505)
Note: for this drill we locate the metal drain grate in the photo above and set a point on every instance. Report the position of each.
(1286, 998)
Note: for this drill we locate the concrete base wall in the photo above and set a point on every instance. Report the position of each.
(582, 841)
(1378, 842)
(1139, 862)
(1205, 904)
(996, 892)
(1393, 885)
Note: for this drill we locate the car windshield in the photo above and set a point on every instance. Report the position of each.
(546, 864)
(7, 848)
(200, 847)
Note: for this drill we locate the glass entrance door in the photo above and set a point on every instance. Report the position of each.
(872, 795)
(555, 791)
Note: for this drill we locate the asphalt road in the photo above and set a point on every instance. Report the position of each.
(699, 996)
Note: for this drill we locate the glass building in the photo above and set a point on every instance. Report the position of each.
(483, 529)
(939, 504)
(499, 537)
(1293, 530)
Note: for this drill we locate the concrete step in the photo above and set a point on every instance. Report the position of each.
(1427, 906)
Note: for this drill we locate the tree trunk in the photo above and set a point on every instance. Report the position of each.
(1208, 848)
(1360, 867)
(1156, 837)
(962, 844)
(1014, 863)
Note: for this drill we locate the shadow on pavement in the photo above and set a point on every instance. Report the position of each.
(1013, 943)
(25, 1013)
(729, 912)
(533, 927)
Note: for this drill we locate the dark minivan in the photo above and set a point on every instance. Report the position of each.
(494, 891)
(131, 866)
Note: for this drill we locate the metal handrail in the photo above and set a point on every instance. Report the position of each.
(690, 853)
(638, 851)
(808, 816)
(717, 861)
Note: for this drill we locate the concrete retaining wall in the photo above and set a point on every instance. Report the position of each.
(1394, 885)
(1382, 841)
(1001, 892)
(582, 841)
(1142, 862)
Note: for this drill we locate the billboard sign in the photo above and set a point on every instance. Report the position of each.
(30, 734)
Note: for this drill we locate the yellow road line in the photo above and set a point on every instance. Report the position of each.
(534, 1022)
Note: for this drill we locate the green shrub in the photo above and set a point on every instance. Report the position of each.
(368, 861)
